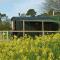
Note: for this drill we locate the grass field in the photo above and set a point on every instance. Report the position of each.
(28, 48)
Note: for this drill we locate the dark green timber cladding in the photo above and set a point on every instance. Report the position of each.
(49, 24)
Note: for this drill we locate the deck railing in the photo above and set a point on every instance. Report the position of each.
(6, 35)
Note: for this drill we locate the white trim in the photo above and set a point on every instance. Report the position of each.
(12, 25)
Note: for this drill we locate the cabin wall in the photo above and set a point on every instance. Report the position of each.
(17, 25)
(35, 26)
(51, 26)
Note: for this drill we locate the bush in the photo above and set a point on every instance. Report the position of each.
(27, 48)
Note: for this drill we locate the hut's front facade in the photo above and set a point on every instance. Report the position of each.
(35, 25)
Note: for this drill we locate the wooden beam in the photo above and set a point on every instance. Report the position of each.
(23, 28)
(42, 28)
(12, 25)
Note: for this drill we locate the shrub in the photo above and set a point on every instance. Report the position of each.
(27, 48)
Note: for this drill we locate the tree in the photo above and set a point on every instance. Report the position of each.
(52, 6)
(2, 15)
(44, 14)
(4, 24)
(31, 12)
(50, 12)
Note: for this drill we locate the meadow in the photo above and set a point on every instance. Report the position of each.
(45, 47)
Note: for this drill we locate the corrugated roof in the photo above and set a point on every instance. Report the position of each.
(48, 18)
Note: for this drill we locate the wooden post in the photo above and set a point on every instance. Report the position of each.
(42, 28)
(7, 35)
(23, 28)
(12, 26)
(53, 13)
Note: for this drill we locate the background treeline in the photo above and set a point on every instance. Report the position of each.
(5, 25)
(5, 22)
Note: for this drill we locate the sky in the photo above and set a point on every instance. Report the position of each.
(13, 7)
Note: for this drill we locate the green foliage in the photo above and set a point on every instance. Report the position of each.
(55, 4)
(31, 12)
(27, 48)
(50, 12)
(5, 25)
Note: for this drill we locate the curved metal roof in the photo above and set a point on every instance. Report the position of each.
(44, 18)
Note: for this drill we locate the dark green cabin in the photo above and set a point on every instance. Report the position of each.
(36, 24)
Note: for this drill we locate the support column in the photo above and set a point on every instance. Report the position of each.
(7, 35)
(23, 28)
(53, 13)
(12, 25)
(42, 28)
